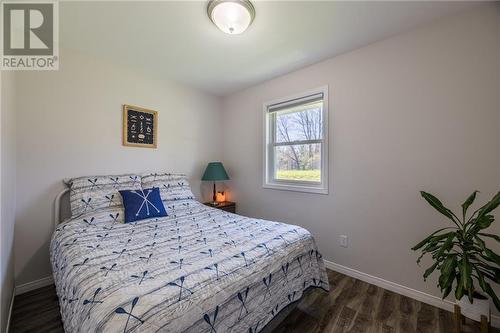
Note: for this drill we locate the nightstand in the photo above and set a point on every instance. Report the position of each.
(227, 206)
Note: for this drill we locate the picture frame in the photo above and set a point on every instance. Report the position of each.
(140, 127)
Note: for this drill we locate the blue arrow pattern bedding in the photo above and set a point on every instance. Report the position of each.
(199, 269)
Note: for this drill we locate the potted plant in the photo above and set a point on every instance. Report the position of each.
(460, 254)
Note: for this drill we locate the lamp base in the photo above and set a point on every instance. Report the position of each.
(214, 203)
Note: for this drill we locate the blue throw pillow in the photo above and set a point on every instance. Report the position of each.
(142, 204)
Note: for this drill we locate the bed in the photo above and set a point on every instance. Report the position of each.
(199, 269)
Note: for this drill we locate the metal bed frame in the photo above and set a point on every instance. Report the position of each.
(57, 208)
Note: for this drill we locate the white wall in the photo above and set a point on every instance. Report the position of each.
(7, 194)
(69, 123)
(419, 111)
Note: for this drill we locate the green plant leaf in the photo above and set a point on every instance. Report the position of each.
(477, 224)
(446, 280)
(459, 290)
(428, 238)
(428, 249)
(447, 292)
(466, 276)
(495, 237)
(493, 256)
(431, 247)
(438, 205)
(480, 242)
(468, 202)
(493, 296)
(420, 258)
(487, 253)
(487, 274)
(490, 206)
(484, 221)
(448, 244)
(482, 282)
(459, 253)
(483, 256)
(487, 288)
(449, 264)
(429, 270)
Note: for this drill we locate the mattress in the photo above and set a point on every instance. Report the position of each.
(199, 269)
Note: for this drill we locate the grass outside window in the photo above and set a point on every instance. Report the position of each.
(313, 175)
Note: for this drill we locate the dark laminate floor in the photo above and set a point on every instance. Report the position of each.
(356, 306)
(350, 306)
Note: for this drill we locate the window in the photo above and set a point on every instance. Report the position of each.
(296, 145)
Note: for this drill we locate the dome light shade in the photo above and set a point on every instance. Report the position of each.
(231, 16)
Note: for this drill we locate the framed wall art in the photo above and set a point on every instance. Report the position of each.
(140, 127)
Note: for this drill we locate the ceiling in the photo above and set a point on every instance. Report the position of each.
(176, 39)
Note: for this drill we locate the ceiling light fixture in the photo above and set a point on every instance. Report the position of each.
(231, 16)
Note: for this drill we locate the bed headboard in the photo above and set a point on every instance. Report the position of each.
(62, 209)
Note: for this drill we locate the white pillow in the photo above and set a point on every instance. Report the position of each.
(95, 192)
(172, 186)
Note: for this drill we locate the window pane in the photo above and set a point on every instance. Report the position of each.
(300, 123)
(298, 162)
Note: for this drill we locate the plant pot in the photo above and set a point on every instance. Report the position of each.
(480, 306)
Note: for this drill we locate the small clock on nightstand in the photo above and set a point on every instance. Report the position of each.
(227, 206)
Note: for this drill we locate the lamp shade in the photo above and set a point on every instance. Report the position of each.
(215, 171)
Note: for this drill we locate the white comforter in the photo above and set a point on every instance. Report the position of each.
(198, 270)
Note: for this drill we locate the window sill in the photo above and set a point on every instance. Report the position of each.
(296, 188)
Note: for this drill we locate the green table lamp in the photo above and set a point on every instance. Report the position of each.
(215, 172)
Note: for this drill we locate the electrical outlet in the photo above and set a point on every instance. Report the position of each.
(343, 240)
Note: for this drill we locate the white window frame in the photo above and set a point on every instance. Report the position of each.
(268, 170)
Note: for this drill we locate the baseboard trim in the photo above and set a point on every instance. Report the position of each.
(400, 289)
(25, 287)
(9, 315)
